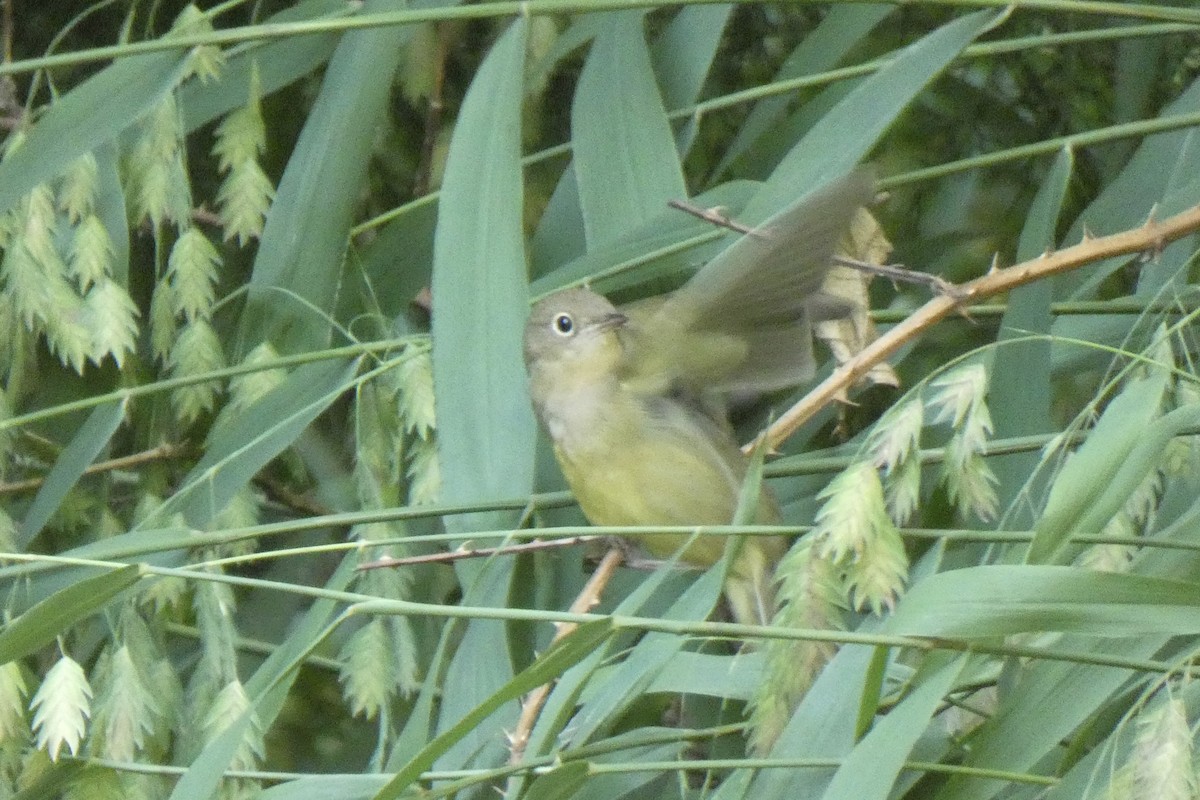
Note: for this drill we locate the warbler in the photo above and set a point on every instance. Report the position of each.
(634, 399)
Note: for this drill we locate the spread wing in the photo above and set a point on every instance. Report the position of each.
(743, 322)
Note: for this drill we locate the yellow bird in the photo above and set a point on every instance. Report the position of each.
(633, 399)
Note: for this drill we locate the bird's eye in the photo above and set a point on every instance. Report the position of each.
(563, 324)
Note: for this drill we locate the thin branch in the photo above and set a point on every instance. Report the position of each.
(203, 215)
(588, 599)
(160, 453)
(712, 216)
(290, 499)
(893, 272)
(517, 8)
(481, 552)
(899, 273)
(1148, 238)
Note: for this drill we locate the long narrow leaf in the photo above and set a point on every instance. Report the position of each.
(1006, 599)
(625, 157)
(872, 768)
(486, 430)
(93, 436)
(684, 51)
(52, 617)
(567, 652)
(845, 134)
(1020, 379)
(842, 28)
(304, 240)
(267, 688)
(244, 444)
(1087, 479)
(91, 114)
(827, 707)
(1053, 700)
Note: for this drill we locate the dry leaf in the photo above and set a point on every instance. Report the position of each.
(848, 335)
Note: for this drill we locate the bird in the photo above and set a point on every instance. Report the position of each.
(634, 399)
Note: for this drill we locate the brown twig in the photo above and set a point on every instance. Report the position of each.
(712, 216)
(464, 552)
(893, 272)
(203, 215)
(1150, 238)
(160, 453)
(899, 273)
(291, 499)
(586, 601)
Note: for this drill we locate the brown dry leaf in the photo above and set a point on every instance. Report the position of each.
(848, 335)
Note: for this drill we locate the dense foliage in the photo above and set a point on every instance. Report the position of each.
(264, 277)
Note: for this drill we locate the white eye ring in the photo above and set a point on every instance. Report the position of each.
(563, 324)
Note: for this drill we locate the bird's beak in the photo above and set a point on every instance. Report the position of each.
(613, 320)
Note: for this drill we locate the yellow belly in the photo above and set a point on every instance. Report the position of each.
(665, 468)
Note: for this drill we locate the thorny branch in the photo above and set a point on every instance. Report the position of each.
(586, 601)
(1148, 238)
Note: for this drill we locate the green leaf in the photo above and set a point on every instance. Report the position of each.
(732, 677)
(465, 686)
(564, 700)
(1053, 699)
(628, 683)
(568, 651)
(1019, 390)
(666, 244)
(978, 602)
(89, 115)
(93, 436)
(326, 787)
(280, 61)
(627, 749)
(422, 719)
(828, 708)
(303, 243)
(842, 28)
(625, 157)
(684, 51)
(844, 135)
(1160, 163)
(50, 618)
(241, 445)
(1081, 778)
(871, 769)
(561, 783)
(559, 236)
(394, 266)
(267, 689)
(582, 29)
(1096, 478)
(480, 301)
